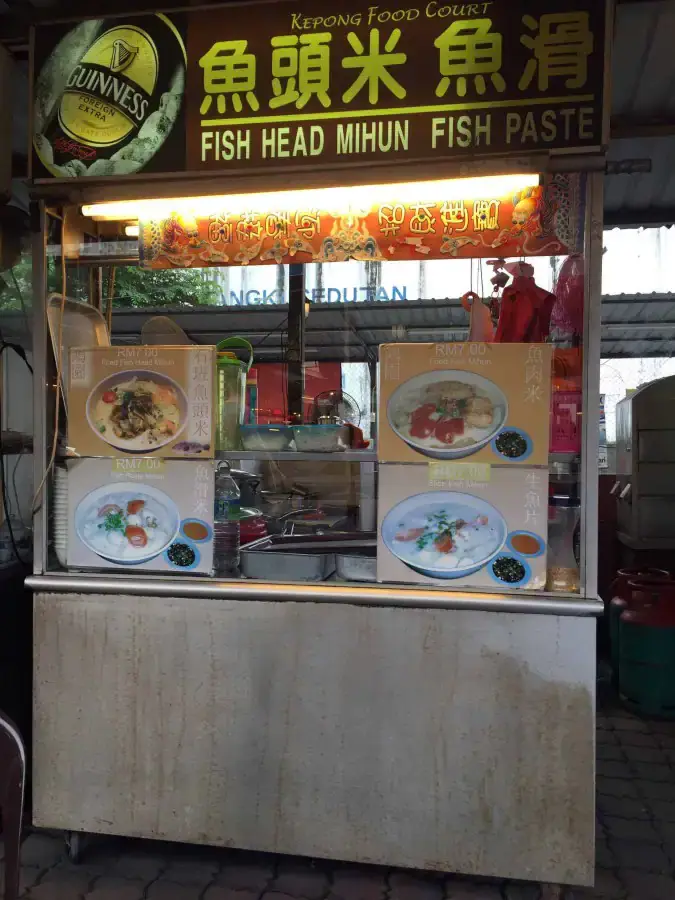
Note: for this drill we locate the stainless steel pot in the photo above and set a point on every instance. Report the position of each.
(249, 487)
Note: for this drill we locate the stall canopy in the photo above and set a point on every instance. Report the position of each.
(643, 90)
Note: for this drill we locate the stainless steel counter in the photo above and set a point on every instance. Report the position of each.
(459, 740)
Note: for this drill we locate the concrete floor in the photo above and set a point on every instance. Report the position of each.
(635, 849)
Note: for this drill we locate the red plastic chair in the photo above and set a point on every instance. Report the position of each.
(12, 783)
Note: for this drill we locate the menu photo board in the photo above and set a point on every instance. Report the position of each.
(463, 524)
(303, 85)
(144, 401)
(151, 514)
(465, 402)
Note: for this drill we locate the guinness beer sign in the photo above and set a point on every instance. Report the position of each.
(108, 97)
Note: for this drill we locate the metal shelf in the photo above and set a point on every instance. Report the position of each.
(361, 456)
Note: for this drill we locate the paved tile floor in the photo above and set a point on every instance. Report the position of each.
(635, 850)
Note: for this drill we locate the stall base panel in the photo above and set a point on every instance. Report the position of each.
(451, 740)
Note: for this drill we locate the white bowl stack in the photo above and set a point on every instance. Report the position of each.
(60, 514)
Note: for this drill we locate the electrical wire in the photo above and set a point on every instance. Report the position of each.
(21, 353)
(16, 490)
(5, 506)
(274, 330)
(59, 369)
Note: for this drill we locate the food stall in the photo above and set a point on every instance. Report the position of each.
(396, 661)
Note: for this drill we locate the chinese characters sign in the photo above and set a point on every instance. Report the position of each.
(298, 84)
(523, 224)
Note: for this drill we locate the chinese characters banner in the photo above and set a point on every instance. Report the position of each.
(304, 84)
(535, 221)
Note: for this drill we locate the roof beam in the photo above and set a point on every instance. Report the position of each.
(624, 127)
(653, 217)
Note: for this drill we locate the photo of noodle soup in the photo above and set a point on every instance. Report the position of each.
(127, 525)
(138, 411)
(447, 414)
(444, 534)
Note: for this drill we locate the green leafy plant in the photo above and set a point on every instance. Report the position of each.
(136, 288)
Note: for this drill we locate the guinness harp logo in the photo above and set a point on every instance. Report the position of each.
(109, 94)
(123, 54)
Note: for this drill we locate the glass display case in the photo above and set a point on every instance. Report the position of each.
(414, 423)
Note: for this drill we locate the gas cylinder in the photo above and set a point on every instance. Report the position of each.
(647, 649)
(620, 594)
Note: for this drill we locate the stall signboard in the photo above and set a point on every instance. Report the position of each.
(142, 513)
(465, 402)
(141, 401)
(463, 525)
(535, 221)
(303, 85)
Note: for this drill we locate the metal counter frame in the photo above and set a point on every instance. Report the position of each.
(82, 583)
(593, 250)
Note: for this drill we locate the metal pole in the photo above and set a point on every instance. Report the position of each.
(296, 343)
(417, 597)
(592, 346)
(39, 227)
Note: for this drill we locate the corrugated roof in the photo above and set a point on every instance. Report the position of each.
(634, 325)
(638, 325)
(643, 76)
(636, 197)
(643, 113)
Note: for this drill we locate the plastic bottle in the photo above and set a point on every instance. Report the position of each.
(226, 527)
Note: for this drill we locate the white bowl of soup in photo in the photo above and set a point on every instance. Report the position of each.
(138, 411)
(444, 534)
(447, 414)
(125, 524)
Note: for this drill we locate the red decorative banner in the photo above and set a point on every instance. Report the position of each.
(536, 221)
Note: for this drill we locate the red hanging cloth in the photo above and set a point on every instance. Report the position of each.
(525, 314)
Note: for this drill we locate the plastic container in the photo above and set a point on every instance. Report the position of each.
(231, 391)
(251, 414)
(226, 523)
(562, 568)
(321, 438)
(277, 438)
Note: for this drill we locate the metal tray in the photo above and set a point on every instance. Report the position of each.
(357, 566)
(287, 558)
(83, 326)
